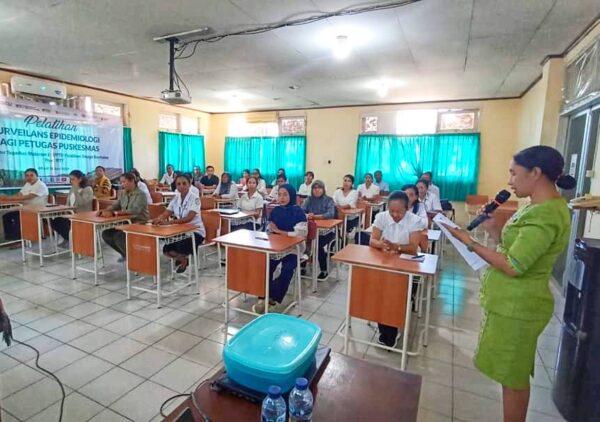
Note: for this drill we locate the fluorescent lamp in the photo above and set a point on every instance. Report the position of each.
(341, 47)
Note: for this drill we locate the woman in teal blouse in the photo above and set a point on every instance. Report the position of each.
(515, 294)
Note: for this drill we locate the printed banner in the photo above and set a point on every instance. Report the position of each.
(55, 140)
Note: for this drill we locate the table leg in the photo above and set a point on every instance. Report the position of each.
(337, 249)
(226, 292)
(40, 229)
(345, 231)
(406, 324)
(427, 309)
(315, 248)
(347, 327)
(22, 249)
(73, 269)
(127, 269)
(299, 280)
(95, 255)
(195, 262)
(267, 279)
(157, 273)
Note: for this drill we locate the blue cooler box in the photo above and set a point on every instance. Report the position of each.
(274, 349)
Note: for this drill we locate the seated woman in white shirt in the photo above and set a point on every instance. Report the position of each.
(272, 196)
(414, 205)
(306, 187)
(251, 202)
(346, 197)
(396, 231)
(185, 207)
(226, 189)
(244, 179)
(142, 185)
(262, 185)
(368, 191)
(428, 177)
(430, 199)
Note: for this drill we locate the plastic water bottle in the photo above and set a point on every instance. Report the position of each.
(273, 406)
(301, 402)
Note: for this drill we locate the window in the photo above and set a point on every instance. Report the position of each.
(239, 127)
(416, 122)
(292, 126)
(189, 125)
(369, 124)
(458, 121)
(115, 110)
(167, 122)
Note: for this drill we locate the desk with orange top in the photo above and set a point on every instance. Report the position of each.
(379, 290)
(248, 264)
(370, 207)
(85, 237)
(143, 253)
(32, 220)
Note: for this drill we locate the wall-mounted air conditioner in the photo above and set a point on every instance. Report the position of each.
(27, 85)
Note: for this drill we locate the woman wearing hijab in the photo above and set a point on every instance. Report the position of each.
(226, 188)
(319, 206)
(287, 219)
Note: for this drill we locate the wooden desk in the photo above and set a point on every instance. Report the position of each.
(347, 390)
(379, 289)
(323, 227)
(85, 237)
(9, 206)
(144, 252)
(238, 217)
(248, 264)
(345, 214)
(223, 202)
(207, 202)
(370, 207)
(32, 219)
(167, 196)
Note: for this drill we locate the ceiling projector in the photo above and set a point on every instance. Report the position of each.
(175, 97)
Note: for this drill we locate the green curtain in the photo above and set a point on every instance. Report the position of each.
(181, 150)
(127, 149)
(453, 158)
(267, 154)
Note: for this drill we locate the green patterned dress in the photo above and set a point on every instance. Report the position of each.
(517, 309)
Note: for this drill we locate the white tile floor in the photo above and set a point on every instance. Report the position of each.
(120, 359)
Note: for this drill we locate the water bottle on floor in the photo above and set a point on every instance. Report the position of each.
(273, 406)
(301, 402)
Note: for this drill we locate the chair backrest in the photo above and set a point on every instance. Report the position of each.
(51, 199)
(156, 197)
(477, 199)
(95, 204)
(113, 193)
(424, 241)
(61, 198)
(155, 210)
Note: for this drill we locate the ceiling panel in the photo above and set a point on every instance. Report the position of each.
(429, 50)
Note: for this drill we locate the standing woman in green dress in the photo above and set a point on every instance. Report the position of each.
(515, 294)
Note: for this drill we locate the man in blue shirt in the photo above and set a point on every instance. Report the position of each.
(383, 186)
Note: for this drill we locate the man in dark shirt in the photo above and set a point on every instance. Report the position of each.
(209, 181)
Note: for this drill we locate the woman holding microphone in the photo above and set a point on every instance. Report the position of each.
(515, 295)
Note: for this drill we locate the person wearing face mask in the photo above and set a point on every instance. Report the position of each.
(185, 208)
(287, 219)
(515, 294)
(34, 192)
(319, 206)
(131, 201)
(80, 197)
(429, 199)
(396, 231)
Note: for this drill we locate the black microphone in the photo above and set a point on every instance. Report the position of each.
(500, 199)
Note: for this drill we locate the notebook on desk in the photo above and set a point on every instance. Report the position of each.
(228, 211)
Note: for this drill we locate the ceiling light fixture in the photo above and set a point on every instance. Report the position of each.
(382, 89)
(341, 47)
